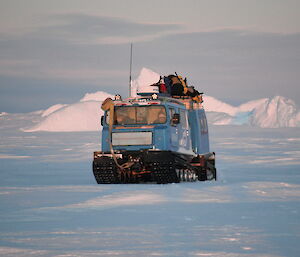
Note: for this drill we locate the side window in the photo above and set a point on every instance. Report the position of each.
(171, 112)
(106, 117)
(183, 119)
(203, 122)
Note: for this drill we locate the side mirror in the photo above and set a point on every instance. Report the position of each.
(175, 119)
(102, 120)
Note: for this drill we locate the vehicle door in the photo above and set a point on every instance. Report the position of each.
(184, 136)
(174, 131)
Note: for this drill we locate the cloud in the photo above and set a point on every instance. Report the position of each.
(230, 64)
(80, 28)
(9, 156)
(37, 70)
(79, 50)
(75, 46)
(100, 29)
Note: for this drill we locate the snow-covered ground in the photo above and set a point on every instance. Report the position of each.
(51, 205)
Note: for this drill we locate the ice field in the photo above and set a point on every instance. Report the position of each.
(52, 206)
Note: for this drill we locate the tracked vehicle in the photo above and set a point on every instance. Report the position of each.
(160, 138)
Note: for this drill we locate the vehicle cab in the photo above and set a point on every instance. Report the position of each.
(157, 123)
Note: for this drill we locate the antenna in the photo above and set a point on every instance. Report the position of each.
(130, 70)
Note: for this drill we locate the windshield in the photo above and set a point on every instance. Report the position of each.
(140, 115)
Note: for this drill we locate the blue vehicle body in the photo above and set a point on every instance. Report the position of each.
(179, 142)
(190, 136)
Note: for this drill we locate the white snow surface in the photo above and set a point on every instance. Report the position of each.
(84, 115)
(52, 206)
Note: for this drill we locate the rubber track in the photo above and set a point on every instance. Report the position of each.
(164, 172)
(106, 173)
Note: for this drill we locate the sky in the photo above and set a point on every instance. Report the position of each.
(235, 50)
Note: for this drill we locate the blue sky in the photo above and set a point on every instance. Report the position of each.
(235, 50)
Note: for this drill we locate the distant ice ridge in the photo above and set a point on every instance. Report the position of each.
(3, 113)
(99, 96)
(85, 115)
(276, 112)
(81, 116)
(52, 109)
(144, 81)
